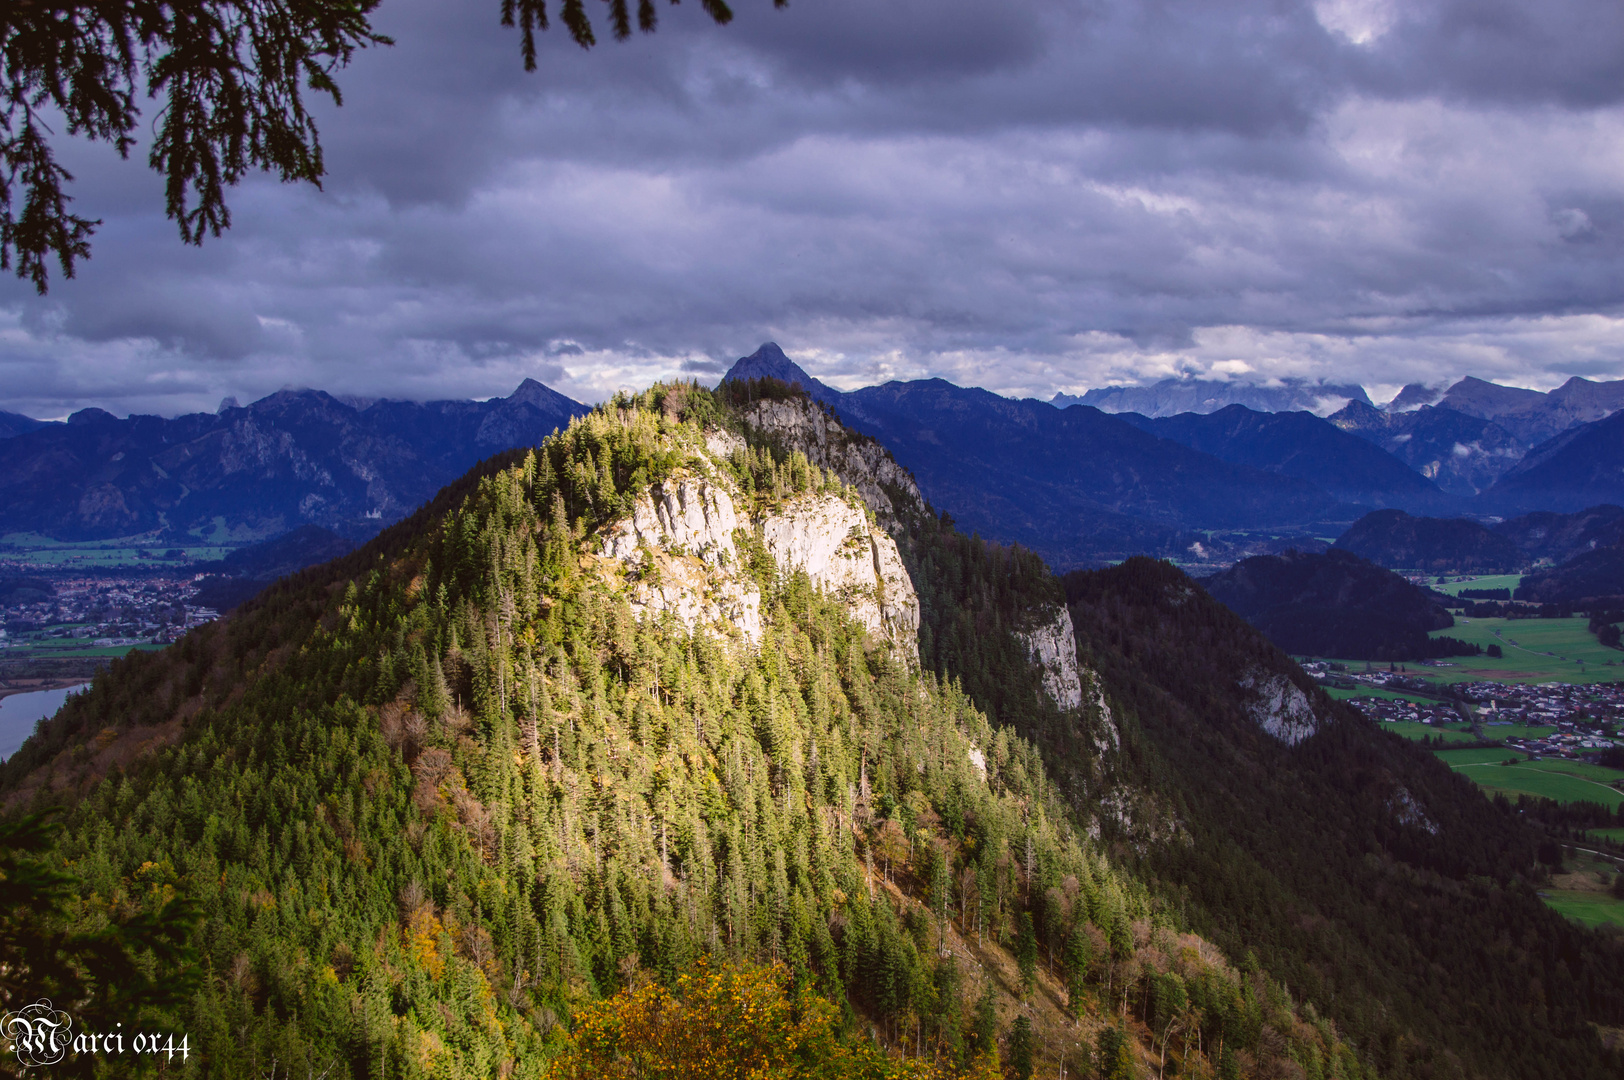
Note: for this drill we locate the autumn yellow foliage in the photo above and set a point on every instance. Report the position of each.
(732, 1022)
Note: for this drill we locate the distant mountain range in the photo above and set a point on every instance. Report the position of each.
(1197, 470)
(1173, 396)
(294, 458)
(1300, 445)
(1076, 485)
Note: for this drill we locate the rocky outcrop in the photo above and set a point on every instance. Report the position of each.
(679, 558)
(843, 554)
(886, 487)
(1053, 646)
(678, 555)
(1280, 707)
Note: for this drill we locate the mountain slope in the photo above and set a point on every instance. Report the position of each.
(1533, 416)
(1462, 454)
(1394, 539)
(1301, 445)
(293, 458)
(1556, 538)
(1581, 467)
(1590, 578)
(15, 424)
(434, 797)
(1349, 860)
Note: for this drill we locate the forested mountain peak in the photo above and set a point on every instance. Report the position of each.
(437, 796)
(434, 800)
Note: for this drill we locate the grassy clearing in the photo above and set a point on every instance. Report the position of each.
(1416, 732)
(1536, 650)
(1477, 756)
(1340, 694)
(1615, 835)
(1582, 769)
(1489, 581)
(1515, 731)
(1523, 779)
(1587, 908)
(146, 549)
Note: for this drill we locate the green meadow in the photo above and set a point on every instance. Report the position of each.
(1528, 778)
(1535, 650)
(1615, 835)
(1490, 581)
(1417, 732)
(1341, 694)
(146, 549)
(1588, 908)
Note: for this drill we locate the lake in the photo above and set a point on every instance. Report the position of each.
(20, 712)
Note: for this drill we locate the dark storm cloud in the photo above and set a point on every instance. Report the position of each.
(1024, 195)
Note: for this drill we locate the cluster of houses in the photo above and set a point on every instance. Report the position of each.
(1568, 719)
(93, 612)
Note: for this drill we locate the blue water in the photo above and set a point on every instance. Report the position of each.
(20, 712)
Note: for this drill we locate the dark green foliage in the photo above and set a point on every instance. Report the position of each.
(1114, 1054)
(120, 956)
(1020, 1048)
(1335, 604)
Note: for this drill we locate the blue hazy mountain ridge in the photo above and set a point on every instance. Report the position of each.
(1394, 539)
(1463, 454)
(1579, 468)
(1548, 537)
(1591, 578)
(1304, 446)
(16, 423)
(296, 457)
(1075, 485)
(1169, 397)
(1530, 415)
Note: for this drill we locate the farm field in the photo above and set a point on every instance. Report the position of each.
(1582, 769)
(145, 550)
(1536, 650)
(1588, 908)
(1516, 731)
(1489, 581)
(1526, 779)
(1417, 732)
(1615, 835)
(1492, 755)
(1376, 692)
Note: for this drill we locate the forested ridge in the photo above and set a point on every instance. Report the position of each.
(1377, 883)
(431, 801)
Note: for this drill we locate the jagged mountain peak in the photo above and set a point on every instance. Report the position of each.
(770, 362)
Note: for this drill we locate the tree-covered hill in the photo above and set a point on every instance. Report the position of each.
(1334, 603)
(432, 799)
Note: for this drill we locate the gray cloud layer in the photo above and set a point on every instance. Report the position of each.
(1028, 196)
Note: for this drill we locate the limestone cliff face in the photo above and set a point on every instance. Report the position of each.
(843, 554)
(678, 553)
(856, 459)
(1280, 707)
(1053, 645)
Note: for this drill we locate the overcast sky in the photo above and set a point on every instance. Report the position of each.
(1026, 195)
